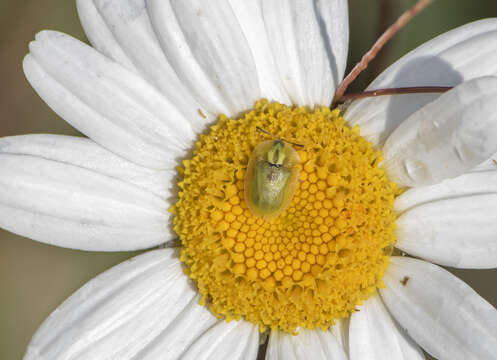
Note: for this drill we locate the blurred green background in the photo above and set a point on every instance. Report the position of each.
(35, 278)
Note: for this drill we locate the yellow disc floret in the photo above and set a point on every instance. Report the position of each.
(319, 259)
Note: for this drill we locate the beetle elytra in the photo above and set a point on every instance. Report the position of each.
(271, 178)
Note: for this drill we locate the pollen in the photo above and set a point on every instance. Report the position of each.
(318, 260)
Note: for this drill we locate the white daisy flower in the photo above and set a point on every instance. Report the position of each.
(161, 73)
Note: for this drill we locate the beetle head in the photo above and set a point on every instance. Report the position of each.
(276, 154)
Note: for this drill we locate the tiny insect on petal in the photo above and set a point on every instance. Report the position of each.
(271, 178)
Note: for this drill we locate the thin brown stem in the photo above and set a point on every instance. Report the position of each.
(393, 91)
(386, 16)
(378, 45)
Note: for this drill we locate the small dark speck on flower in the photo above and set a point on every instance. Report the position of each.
(201, 113)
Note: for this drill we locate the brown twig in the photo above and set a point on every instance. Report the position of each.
(378, 45)
(393, 91)
(386, 16)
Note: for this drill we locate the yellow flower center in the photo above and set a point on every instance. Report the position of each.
(315, 262)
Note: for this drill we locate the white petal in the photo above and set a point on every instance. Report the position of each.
(472, 184)
(85, 153)
(451, 223)
(377, 117)
(374, 335)
(445, 138)
(121, 29)
(235, 340)
(101, 35)
(489, 164)
(67, 205)
(341, 332)
(181, 333)
(309, 40)
(136, 310)
(249, 15)
(465, 53)
(461, 54)
(458, 232)
(321, 344)
(111, 105)
(447, 318)
(206, 46)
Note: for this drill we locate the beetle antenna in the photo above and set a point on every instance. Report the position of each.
(294, 144)
(268, 133)
(264, 131)
(378, 45)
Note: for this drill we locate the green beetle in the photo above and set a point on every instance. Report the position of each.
(271, 178)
